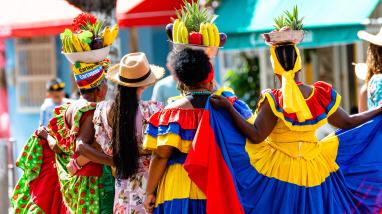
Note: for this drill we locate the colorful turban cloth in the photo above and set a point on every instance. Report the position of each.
(90, 75)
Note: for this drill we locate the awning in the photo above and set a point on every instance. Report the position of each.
(146, 12)
(21, 18)
(327, 22)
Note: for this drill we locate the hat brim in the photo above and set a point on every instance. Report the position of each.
(157, 73)
(364, 35)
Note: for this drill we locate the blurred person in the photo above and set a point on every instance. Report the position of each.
(55, 96)
(119, 128)
(166, 87)
(374, 68)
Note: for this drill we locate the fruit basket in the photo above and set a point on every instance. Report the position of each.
(288, 29)
(86, 42)
(194, 28)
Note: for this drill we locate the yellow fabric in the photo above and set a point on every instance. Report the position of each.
(175, 184)
(170, 139)
(294, 157)
(293, 100)
(290, 125)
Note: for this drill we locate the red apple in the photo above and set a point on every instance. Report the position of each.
(195, 38)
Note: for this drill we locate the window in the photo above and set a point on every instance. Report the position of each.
(35, 66)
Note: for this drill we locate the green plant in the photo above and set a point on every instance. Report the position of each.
(289, 19)
(245, 81)
(193, 16)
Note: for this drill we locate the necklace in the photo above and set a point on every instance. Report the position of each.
(196, 93)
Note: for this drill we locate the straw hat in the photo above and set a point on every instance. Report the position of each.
(134, 70)
(360, 70)
(375, 39)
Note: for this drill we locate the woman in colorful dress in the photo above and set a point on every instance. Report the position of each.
(90, 189)
(170, 133)
(286, 168)
(119, 127)
(374, 67)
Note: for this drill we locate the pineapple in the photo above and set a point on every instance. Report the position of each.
(193, 16)
(289, 21)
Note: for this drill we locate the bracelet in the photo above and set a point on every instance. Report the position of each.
(75, 165)
(50, 138)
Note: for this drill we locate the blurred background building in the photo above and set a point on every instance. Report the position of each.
(30, 48)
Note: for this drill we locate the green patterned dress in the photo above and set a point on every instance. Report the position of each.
(91, 190)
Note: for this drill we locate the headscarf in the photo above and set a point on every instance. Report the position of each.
(293, 100)
(89, 75)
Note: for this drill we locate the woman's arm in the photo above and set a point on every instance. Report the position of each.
(158, 166)
(43, 133)
(341, 119)
(259, 131)
(362, 99)
(85, 138)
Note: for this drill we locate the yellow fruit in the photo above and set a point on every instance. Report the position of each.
(114, 33)
(211, 35)
(184, 35)
(216, 34)
(107, 36)
(76, 43)
(175, 31)
(85, 47)
(204, 32)
(180, 32)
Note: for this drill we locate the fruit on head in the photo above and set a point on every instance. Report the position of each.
(223, 39)
(175, 31)
(195, 38)
(169, 28)
(97, 43)
(211, 36)
(216, 35)
(204, 32)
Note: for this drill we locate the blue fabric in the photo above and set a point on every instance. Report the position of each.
(182, 206)
(261, 194)
(178, 158)
(174, 128)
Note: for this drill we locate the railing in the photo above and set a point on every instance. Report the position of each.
(7, 171)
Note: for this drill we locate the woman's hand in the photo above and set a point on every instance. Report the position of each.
(71, 169)
(220, 102)
(149, 203)
(42, 133)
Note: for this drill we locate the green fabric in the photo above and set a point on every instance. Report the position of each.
(327, 22)
(30, 162)
(108, 191)
(81, 194)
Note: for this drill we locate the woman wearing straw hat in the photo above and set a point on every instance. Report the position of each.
(374, 68)
(119, 126)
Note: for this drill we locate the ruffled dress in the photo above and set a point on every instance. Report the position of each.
(38, 189)
(291, 171)
(176, 127)
(129, 193)
(91, 190)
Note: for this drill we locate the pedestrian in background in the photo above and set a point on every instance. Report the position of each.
(374, 68)
(166, 87)
(55, 96)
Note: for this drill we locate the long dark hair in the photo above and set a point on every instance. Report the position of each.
(125, 146)
(286, 54)
(373, 61)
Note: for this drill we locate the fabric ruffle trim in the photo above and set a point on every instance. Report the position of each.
(323, 103)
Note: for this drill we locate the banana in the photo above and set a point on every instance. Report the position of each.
(70, 44)
(179, 32)
(85, 47)
(175, 31)
(204, 32)
(184, 34)
(114, 33)
(106, 36)
(76, 43)
(211, 35)
(216, 34)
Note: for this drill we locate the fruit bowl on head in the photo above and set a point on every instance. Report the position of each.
(280, 37)
(91, 56)
(211, 51)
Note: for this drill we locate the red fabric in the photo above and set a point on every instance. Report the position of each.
(207, 164)
(45, 189)
(186, 118)
(317, 103)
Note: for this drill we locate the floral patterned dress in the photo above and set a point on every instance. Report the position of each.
(374, 91)
(129, 193)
